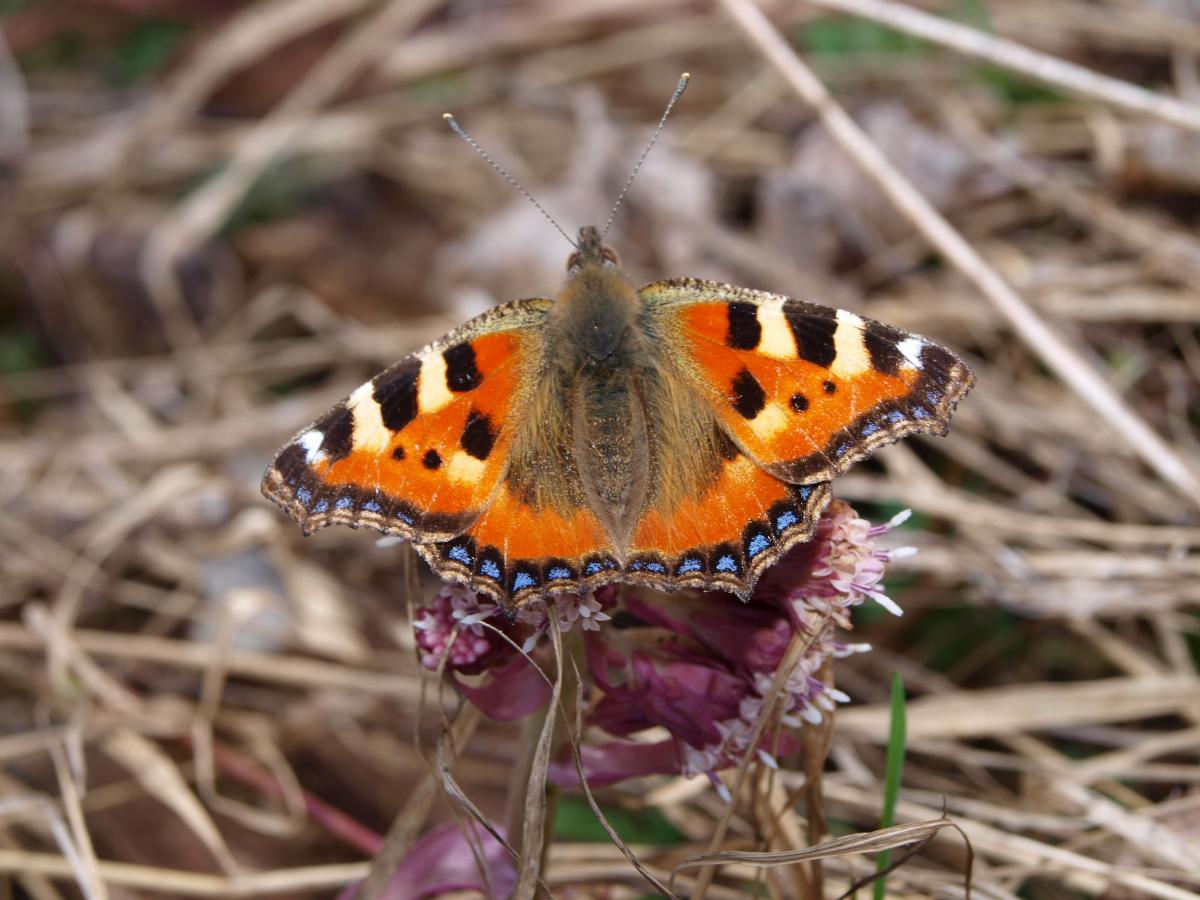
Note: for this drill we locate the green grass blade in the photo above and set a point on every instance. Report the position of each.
(897, 736)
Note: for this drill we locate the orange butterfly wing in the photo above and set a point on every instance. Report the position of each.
(419, 449)
(422, 451)
(806, 391)
(802, 393)
(515, 551)
(727, 536)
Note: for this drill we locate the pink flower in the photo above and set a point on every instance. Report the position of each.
(450, 629)
(697, 665)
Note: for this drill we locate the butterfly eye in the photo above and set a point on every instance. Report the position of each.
(610, 257)
(572, 262)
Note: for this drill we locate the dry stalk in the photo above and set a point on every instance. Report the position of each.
(1042, 67)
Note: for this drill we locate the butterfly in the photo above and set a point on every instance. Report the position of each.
(681, 434)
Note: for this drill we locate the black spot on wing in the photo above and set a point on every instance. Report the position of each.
(744, 329)
(478, 435)
(337, 426)
(431, 460)
(813, 329)
(882, 346)
(747, 394)
(292, 464)
(461, 372)
(937, 364)
(396, 393)
(829, 387)
(799, 402)
(398, 453)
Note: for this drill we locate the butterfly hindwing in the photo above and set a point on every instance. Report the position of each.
(418, 450)
(805, 390)
(515, 550)
(726, 535)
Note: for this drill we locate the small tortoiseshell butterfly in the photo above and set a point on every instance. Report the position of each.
(683, 434)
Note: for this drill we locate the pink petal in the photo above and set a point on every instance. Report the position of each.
(510, 692)
(617, 760)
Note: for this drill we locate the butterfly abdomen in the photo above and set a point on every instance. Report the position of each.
(611, 449)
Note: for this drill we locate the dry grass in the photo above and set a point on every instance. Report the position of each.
(217, 222)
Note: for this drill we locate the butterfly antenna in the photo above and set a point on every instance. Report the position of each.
(461, 132)
(679, 89)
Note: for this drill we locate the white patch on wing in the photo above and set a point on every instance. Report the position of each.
(369, 431)
(311, 441)
(910, 348)
(432, 391)
(770, 421)
(852, 357)
(777, 340)
(465, 468)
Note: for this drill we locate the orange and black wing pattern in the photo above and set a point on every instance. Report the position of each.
(804, 390)
(418, 450)
(423, 450)
(517, 551)
(727, 535)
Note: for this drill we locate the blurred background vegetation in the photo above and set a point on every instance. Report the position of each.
(219, 216)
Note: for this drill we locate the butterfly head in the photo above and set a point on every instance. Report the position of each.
(591, 251)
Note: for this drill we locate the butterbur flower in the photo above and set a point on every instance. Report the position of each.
(450, 631)
(694, 667)
(586, 609)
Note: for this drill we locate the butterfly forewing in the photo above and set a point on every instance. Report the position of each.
(805, 390)
(419, 449)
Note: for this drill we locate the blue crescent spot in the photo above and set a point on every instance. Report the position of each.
(304, 496)
(933, 397)
(459, 553)
(656, 567)
(689, 565)
(757, 545)
(895, 416)
(919, 412)
(787, 519)
(490, 569)
(321, 506)
(869, 429)
(805, 492)
(523, 580)
(596, 566)
(372, 506)
(404, 517)
(558, 572)
(727, 564)
(841, 449)
(636, 566)
(343, 503)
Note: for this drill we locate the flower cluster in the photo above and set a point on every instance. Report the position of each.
(695, 668)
